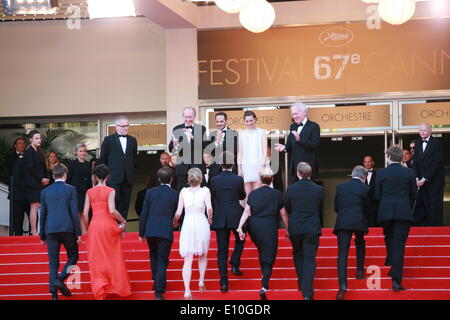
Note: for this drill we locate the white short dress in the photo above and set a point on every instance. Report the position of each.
(195, 232)
(251, 154)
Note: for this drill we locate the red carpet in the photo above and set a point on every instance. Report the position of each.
(24, 270)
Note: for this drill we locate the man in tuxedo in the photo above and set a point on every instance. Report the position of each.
(369, 164)
(60, 224)
(164, 160)
(303, 202)
(118, 153)
(227, 189)
(17, 194)
(428, 165)
(303, 140)
(210, 169)
(395, 190)
(224, 139)
(155, 224)
(352, 206)
(188, 141)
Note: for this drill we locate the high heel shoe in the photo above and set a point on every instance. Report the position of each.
(187, 295)
(201, 286)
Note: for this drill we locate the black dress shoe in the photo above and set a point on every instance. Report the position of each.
(159, 296)
(360, 274)
(55, 296)
(396, 286)
(308, 298)
(340, 295)
(224, 288)
(262, 294)
(235, 270)
(62, 287)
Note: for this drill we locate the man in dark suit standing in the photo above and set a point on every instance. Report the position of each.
(155, 224)
(227, 189)
(188, 141)
(118, 153)
(428, 165)
(225, 140)
(17, 194)
(395, 190)
(60, 224)
(210, 169)
(369, 164)
(352, 206)
(303, 140)
(303, 202)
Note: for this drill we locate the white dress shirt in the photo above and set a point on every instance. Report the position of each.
(123, 142)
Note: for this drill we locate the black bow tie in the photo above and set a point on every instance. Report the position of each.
(299, 125)
(370, 170)
(424, 141)
(122, 136)
(189, 127)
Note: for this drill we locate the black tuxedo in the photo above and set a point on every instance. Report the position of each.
(372, 199)
(395, 189)
(429, 165)
(60, 224)
(303, 202)
(230, 144)
(227, 189)
(305, 149)
(352, 205)
(156, 224)
(17, 193)
(213, 170)
(190, 154)
(121, 168)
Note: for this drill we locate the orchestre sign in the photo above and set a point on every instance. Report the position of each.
(146, 134)
(324, 60)
(328, 119)
(435, 113)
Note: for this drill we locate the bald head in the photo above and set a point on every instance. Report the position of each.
(424, 130)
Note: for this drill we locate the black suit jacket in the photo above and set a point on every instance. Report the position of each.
(352, 205)
(230, 144)
(305, 149)
(59, 210)
(214, 170)
(121, 166)
(227, 189)
(160, 205)
(34, 168)
(395, 188)
(429, 164)
(14, 167)
(303, 202)
(190, 154)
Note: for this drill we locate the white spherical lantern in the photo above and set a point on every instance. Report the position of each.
(231, 6)
(257, 16)
(396, 11)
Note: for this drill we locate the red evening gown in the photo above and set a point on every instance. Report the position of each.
(106, 263)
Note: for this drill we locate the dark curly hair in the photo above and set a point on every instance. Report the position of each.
(101, 171)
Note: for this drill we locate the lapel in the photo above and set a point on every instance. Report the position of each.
(117, 141)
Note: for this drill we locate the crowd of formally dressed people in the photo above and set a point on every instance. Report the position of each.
(223, 182)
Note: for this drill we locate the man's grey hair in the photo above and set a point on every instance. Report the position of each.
(359, 172)
(119, 119)
(191, 108)
(300, 105)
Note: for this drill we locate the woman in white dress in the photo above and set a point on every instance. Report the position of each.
(195, 232)
(252, 153)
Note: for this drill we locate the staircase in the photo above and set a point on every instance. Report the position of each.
(24, 270)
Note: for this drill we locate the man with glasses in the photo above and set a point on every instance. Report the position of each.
(118, 153)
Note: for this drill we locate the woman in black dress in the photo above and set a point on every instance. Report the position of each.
(80, 176)
(34, 177)
(263, 205)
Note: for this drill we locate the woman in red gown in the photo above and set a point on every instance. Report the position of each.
(106, 263)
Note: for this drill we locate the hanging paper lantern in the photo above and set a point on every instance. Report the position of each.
(396, 11)
(231, 6)
(257, 16)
